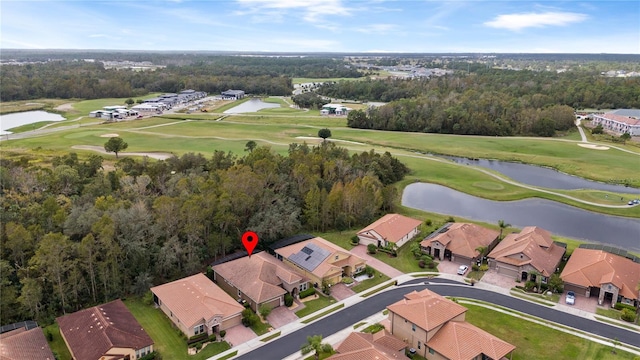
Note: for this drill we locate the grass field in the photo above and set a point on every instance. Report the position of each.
(534, 341)
(168, 340)
(314, 305)
(58, 346)
(377, 279)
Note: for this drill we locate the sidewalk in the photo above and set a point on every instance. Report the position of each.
(335, 338)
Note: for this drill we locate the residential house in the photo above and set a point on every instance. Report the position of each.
(107, 331)
(196, 305)
(525, 255)
(259, 279)
(334, 109)
(389, 229)
(460, 242)
(319, 260)
(381, 345)
(612, 278)
(25, 343)
(436, 328)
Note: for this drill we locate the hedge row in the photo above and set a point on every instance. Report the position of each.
(307, 293)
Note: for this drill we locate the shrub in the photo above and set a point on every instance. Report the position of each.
(288, 300)
(326, 288)
(150, 356)
(264, 310)
(197, 338)
(428, 222)
(347, 280)
(369, 271)
(556, 284)
(475, 267)
(307, 293)
(621, 306)
(431, 265)
(249, 318)
(451, 219)
(484, 267)
(628, 315)
(529, 285)
(371, 249)
(355, 240)
(223, 333)
(421, 264)
(198, 346)
(212, 337)
(49, 335)
(147, 298)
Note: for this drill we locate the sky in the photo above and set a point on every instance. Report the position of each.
(417, 26)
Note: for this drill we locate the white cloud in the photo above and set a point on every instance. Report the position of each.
(313, 10)
(377, 28)
(516, 22)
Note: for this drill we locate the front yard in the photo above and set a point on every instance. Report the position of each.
(378, 278)
(314, 305)
(168, 340)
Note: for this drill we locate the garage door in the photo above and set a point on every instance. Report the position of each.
(507, 271)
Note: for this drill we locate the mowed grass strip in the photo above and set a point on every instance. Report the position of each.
(326, 312)
(534, 341)
(314, 305)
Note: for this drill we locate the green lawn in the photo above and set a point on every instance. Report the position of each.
(404, 262)
(534, 341)
(314, 305)
(168, 340)
(58, 346)
(378, 278)
(260, 328)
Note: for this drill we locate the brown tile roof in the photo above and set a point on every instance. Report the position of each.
(464, 238)
(459, 340)
(381, 345)
(329, 265)
(534, 246)
(92, 332)
(391, 227)
(426, 309)
(22, 344)
(196, 298)
(587, 267)
(621, 119)
(259, 276)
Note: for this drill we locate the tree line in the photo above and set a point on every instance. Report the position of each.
(75, 234)
(90, 80)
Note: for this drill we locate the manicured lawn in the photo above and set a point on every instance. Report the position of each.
(323, 313)
(169, 341)
(378, 278)
(58, 345)
(260, 328)
(534, 341)
(404, 262)
(342, 238)
(315, 305)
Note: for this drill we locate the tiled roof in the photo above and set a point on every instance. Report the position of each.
(459, 340)
(195, 298)
(392, 227)
(534, 246)
(464, 238)
(621, 119)
(91, 332)
(329, 264)
(259, 277)
(25, 344)
(426, 309)
(381, 345)
(592, 268)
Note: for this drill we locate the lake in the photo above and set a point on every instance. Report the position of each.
(541, 176)
(253, 105)
(558, 218)
(10, 121)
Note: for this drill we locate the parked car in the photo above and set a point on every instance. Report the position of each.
(636, 201)
(570, 299)
(630, 202)
(139, 116)
(462, 269)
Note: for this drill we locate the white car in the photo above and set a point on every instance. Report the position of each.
(570, 299)
(462, 269)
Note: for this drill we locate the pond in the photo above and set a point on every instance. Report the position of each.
(10, 121)
(541, 176)
(253, 105)
(558, 218)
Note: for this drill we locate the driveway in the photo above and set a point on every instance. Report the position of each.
(492, 277)
(239, 334)
(281, 316)
(340, 291)
(450, 267)
(390, 271)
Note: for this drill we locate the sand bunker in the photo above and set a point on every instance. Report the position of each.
(109, 135)
(158, 155)
(594, 147)
(65, 107)
(334, 140)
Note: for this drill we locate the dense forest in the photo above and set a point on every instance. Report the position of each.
(75, 234)
(90, 80)
(487, 102)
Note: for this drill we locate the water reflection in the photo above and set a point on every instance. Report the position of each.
(250, 106)
(543, 177)
(10, 121)
(560, 219)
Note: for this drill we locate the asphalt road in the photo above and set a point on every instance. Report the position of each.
(289, 344)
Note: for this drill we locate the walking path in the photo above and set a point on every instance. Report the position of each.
(337, 337)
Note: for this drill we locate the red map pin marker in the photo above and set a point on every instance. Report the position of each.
(249, 241)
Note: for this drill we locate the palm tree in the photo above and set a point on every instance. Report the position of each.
(314, 343)
(481, 250)
(503, 225)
